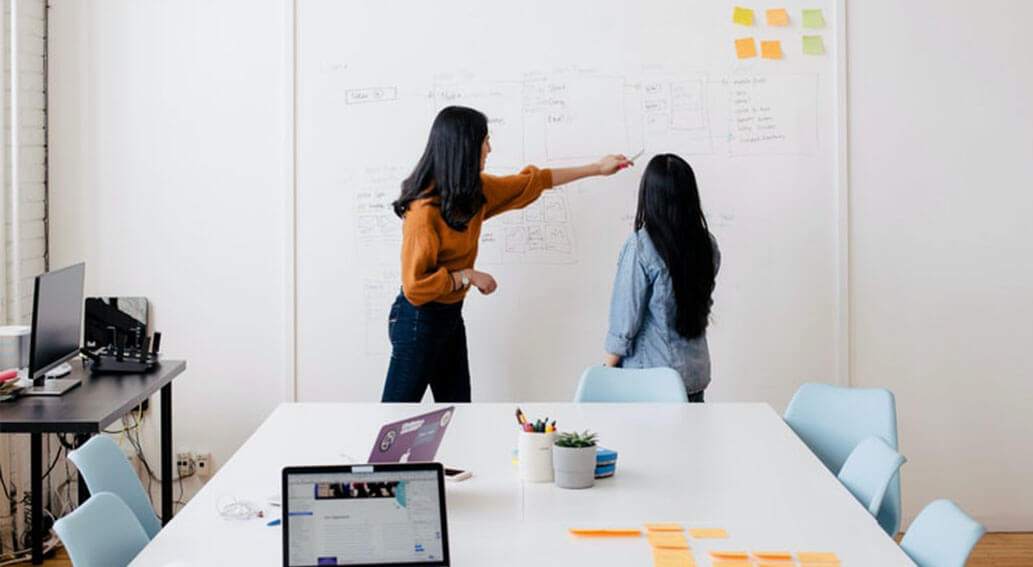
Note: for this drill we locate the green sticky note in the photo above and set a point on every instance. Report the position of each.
(813, 19)
(813, 45)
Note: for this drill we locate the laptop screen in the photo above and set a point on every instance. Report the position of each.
(366, 516)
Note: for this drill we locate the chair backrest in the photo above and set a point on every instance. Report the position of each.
(941, 536)
(832, 420)
(868, 470)
(106, 469)
(605, 384)
(103, 532)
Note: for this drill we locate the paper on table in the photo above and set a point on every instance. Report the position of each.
(745, 48)
(729, 555)
(708, 533)
(778, 17)
(813, 19)
(813, 45)
(668, 540)
(817, 557)
(673, 558)
(743, 16)
(771, 49)
(773, 555)
(662, 527)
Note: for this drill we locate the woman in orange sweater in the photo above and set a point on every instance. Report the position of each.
(442, 204)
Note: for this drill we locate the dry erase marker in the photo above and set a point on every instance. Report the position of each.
(634, 157)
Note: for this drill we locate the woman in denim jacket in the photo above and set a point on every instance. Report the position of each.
(665, 279)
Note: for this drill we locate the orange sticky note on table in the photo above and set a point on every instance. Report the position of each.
(783, 555)
(817, 557)
(668, 540)
(742, 16)
(731, 563)
(771, 49)
(781, 563)
(605, 533)
(778, 17)
(708, 533)
(745, 48)
(673, 558)
(662, 527)
(729, 555)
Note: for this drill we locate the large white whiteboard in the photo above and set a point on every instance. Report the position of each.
(565, 82)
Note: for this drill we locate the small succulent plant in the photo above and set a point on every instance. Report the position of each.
(575, 439)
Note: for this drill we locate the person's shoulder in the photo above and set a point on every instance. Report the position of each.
(426, 209)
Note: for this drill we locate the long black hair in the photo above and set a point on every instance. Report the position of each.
(450, 167)
(669, 210)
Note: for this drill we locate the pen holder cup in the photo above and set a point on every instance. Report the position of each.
(535, 456)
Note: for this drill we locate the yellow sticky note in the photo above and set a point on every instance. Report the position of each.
(813, 19)
(745, 48)
(743, 16)
(771, 49)
(662, 527)
(817, 557)
(668, 540)
(813, 45)
(673, 558)
(778, 17)
(708, 533)
(732, 563)
(729, 555)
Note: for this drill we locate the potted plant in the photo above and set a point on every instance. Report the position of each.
(573, 459)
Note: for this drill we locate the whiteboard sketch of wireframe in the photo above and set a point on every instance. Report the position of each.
(378, 230)
(501, 102)
(772, 115)
(542, 232)
(669, 113)
(566, 105)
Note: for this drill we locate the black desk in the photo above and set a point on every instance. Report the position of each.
(85, 410)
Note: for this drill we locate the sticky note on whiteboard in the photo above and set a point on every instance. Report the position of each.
(778, 17)
(742, 16)
(813, 45)
(745, 48)
(771, 49)
(813, 19)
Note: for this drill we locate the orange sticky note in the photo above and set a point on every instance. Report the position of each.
(731, 563)
(779, 563)
(708, 533)
(668, 540)
(742, 16)
(662, 527)
(673, 558)
(729, 555)
(771, 49)
(605, 533)
(817, 557)
(778, 17)
(784, 555)
(745, 48)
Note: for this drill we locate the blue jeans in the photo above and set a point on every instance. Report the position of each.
(428, 348)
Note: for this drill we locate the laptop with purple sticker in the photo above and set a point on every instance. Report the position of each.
(415, 439)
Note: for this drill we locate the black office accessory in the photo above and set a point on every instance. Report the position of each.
(105, 316)
(125, 358)
(56, 318)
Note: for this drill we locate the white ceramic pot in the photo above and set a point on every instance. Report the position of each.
(574, 466)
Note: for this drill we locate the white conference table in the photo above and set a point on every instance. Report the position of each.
(733, 466)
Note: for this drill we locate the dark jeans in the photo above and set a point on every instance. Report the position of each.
(428, 348)
(696, 398)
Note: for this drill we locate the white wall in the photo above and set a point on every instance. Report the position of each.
(941, 160)
(168, 166)
(170, 172)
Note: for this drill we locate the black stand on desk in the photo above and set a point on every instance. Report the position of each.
(87, 410)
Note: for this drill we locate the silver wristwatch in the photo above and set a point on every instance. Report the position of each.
(465, 278)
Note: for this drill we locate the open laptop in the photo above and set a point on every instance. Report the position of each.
(365, 515)
(413, 439)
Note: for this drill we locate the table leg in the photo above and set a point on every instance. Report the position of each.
(36, 455)
(84, 491)
(166, 453)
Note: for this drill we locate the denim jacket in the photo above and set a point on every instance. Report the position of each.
(642, 314)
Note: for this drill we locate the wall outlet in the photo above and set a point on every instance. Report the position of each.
(204, 464)
(184, 464)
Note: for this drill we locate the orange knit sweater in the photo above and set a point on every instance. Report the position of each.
(431, 250)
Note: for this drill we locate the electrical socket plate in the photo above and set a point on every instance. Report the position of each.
(182, 464)
(204, 464)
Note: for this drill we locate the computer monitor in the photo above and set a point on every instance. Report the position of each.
(56, 323)
(364, 515)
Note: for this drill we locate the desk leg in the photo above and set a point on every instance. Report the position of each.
(166, 453)
(84, 492)
(36, 455)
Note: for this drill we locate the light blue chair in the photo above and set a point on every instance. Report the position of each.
(941, 536)
(606, 384)
(103, 532)
(106, 469)
(868, 470)
(832, 420)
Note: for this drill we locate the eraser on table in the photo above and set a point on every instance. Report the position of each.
(778, 17)
(668, 540)
(708, 533)
(742, 16)
(729, 555)
(817, 557)
(663, 527)
(745, 48)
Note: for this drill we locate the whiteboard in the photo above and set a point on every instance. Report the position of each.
(563, 83)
